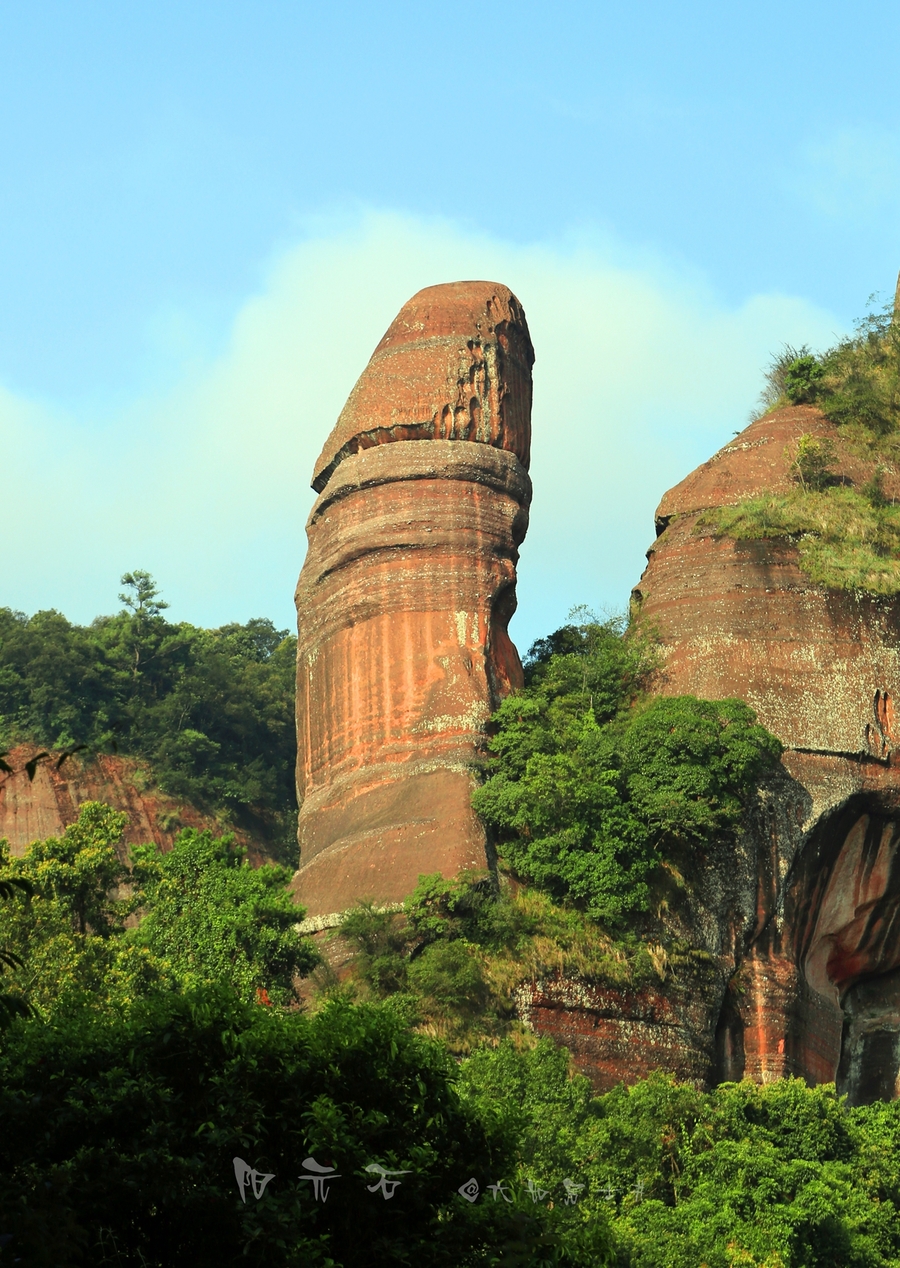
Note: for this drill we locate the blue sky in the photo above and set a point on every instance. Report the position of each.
(210, 212)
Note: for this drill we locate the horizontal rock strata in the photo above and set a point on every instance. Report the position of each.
(405, 596)
(811, 909)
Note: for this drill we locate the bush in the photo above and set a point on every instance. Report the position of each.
(813, 462)
(778, 1176)
(211, 917)
(802, 378)
(586, 791)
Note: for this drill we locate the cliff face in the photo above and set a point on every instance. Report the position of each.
(405, 596)
(31, 810)
(807, 928)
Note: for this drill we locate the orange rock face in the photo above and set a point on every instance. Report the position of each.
(405, 597)
(32, 810)
(805, 916)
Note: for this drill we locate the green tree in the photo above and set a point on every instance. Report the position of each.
(66, 926)
(210, 917)
(591, 784)
(206, 916)
(802, 378)
(11, 1004)
(773, 1176)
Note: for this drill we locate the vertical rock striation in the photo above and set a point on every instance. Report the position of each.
(405, 596)
(805, 917)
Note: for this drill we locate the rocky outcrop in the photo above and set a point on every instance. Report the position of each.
(804, 915)
(621, 1034)
(405, 596)
(34, 809)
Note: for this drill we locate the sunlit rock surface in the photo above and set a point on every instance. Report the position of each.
(405, 596)
(804, 918)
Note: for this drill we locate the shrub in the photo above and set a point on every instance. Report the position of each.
(586, 792)
(802, 378)
(211, 917)
(813, 463)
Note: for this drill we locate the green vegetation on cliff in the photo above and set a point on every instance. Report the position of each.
(592, 784)
(603, 800)
(210, 711)
(848, 538)
(855, 382)
(199, 916)
(845, 539)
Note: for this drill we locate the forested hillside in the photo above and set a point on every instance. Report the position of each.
(210, 711)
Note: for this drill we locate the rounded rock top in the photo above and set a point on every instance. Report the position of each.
(455, 364)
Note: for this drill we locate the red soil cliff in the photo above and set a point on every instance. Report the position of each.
(34, 809)
(405, 596)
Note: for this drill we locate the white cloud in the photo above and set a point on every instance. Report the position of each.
(640, 375)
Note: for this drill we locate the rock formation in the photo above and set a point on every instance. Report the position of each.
(405, 596)
(34, 809)
(801, 921)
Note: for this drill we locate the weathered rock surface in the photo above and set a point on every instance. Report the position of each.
(32, 810)
(405, 596)
(620, 1034)
(804, 917)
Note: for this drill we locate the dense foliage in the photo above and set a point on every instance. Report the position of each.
(120, 1137)
(211, 711)
(208, 918)
(591, 785)
(120, 1134)
(848, 537)
(778, 1176)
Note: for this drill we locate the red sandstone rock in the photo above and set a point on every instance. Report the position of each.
(32, 810)
(621, 1034)
(405, 596)
(805, 917)
(455, 364)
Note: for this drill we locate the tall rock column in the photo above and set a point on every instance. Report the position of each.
(405, 597)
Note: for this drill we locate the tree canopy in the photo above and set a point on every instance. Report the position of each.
(211, 711)
(591, 781)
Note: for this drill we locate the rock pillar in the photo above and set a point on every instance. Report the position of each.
(405, 596)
